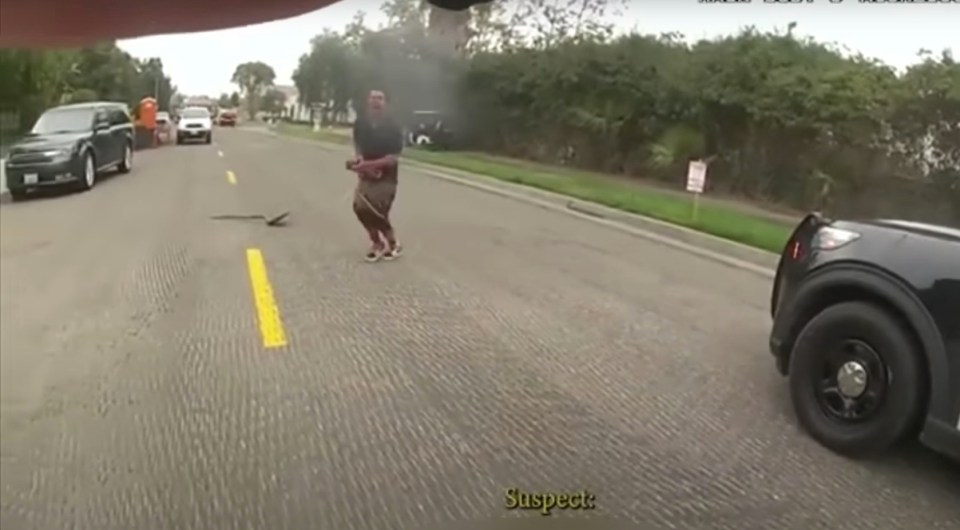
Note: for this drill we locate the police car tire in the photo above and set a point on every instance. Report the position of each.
(902, 408)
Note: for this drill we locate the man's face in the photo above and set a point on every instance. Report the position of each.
(376, 100)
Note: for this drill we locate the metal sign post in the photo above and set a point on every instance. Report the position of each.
(696, 182)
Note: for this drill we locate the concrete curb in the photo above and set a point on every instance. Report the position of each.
(589, 212)
(595, 211)
(717, 249)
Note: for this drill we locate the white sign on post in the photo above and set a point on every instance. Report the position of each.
(696, 176)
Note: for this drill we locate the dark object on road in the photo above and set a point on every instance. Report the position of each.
(867, 327)
(277, 220)
(71, 145)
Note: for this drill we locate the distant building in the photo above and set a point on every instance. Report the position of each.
(199, 101)
(291, 93)
(292, 108)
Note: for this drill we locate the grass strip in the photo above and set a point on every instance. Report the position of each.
(728, 223)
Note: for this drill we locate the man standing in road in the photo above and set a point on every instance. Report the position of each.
(378, 141)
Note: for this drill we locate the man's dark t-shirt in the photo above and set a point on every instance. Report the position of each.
(378, 138)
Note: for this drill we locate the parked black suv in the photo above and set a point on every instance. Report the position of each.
(867, 327)
(71, 145)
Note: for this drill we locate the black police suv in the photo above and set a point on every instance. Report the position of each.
(866, 325)
(70, 145)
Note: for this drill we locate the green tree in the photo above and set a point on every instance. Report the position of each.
(30, 81)
(82, 95)
(327, 76)
(223, 101)
(33, 80)
(234, 100)
(108, 71)
(926, 121)
(253, 79)
(273, 101)
(542, 24)
(154, 82)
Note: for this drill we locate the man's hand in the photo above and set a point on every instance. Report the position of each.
(370, 174)
(376, 165)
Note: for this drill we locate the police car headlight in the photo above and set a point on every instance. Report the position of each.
(831, 238)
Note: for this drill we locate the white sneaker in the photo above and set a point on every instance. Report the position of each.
(395, 252)
(374, 255)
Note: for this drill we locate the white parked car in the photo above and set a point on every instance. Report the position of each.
(195, 123)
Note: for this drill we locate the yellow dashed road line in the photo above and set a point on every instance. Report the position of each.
(231, 178)
(268, 314)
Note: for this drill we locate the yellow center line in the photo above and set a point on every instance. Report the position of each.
(268, 314)
(231, 178)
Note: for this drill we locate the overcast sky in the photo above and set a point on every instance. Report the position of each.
(202, 63)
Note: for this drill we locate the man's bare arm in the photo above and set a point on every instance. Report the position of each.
(379, 163)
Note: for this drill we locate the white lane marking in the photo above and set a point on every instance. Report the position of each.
(220, 154)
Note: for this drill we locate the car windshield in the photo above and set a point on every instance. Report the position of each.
(64, 121)
(195, 113)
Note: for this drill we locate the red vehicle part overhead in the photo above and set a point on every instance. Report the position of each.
(66, 23)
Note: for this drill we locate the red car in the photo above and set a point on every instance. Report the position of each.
(227, 119)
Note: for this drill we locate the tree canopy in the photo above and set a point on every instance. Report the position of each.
(254, 79)
(33, 80)
(782, 119)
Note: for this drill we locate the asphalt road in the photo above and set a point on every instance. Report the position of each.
(509, 347)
